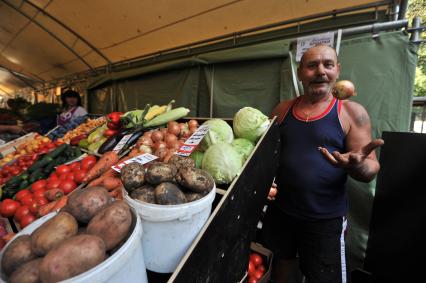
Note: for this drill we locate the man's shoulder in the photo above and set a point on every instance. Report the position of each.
(282, 108)
(355, 113)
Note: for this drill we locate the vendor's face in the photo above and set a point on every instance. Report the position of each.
(71, 101)
(318, 70)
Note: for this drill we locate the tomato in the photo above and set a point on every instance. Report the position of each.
(53, 184)
(53, 176)
(34, 207)
(15, 171)
(113, 126)
(34, 156)
(69, 176)
(27, 220)
(67, 186)
(50, 145)
(261, 268)
(41, 201)
(21, 194)
(74, 166)
(256, 259)
(258, 274)
(8, 207)
(79, 176)
(64, 176)
(39, 194)
(115, 117)
(21, 212)
(27, 200)
(63, 169)
(110, 132)
(251, 268)
(88, 162)
(252, 280)
(38, 185)
(24, 168)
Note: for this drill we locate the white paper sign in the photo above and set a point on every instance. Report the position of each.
(142, 159)
(121, 143)
(191, 143)
(306, 42)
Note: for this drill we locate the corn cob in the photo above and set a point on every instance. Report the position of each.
(156, 110)
(166, 117)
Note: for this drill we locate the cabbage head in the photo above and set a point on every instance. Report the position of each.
(197, 156)
(223, 162)
(219, 131)
(249, 123)
(244, 147)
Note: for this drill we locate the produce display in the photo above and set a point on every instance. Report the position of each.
(87, 231)
(39, 145)
(256, 268)
(174, 182)
(17, 167)
(73, 137)
(60, 131)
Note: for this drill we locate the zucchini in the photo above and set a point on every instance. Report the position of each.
(54, 153)
(41, 163)
(24, 184)
(36, 175)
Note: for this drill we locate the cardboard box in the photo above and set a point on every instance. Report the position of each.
(267, 256)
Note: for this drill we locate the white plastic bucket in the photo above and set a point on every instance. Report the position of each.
(169, 230)
(125, 265)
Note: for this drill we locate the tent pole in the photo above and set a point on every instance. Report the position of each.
(50, 33)
(68, 29)
(416, 23)
(402, 9)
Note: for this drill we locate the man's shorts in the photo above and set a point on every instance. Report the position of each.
(319, 244)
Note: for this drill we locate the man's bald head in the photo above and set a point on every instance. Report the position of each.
(320, 48)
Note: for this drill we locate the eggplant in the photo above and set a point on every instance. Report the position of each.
(133, 139)
(112, 141)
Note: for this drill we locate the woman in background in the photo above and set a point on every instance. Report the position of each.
(71, 103)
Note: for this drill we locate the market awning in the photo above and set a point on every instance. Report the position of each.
(50, 39)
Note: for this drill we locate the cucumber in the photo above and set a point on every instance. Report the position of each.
(24, 184)
(53, 154)
(36, 175)
(41, 163)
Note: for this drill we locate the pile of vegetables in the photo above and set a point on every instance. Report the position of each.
(256, 268)
(175, 182)
(60, 131)
(86, 232)
(17, 167)
(40, 169)
(73, 137)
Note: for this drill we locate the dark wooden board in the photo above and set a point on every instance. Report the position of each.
(221, 251)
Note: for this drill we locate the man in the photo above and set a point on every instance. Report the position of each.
(322, 141)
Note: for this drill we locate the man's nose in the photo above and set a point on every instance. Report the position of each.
(321, 70)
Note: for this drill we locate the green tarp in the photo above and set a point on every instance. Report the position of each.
(382, 69)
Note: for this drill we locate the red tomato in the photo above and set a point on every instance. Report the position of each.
(38, 185)
(39, 193)
(67, 186)
(63, 169)
(261, 268)
(258, 274)
(252, 280)
(21, 194)
(79, 176)
(53, 176)
(15, 171)
(27, 200)
(256, 259)
(64, 176)
(41, 201)
(34, 207)
(9, 207)
(24, 168)
(69, 176)
(26, 220)
(21, 212)
(50, 145)
(251, 268)
(53, 184)
(74, 166)
(88, 162)
(34, 156)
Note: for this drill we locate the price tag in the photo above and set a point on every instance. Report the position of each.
(142, 159)
(306, 42)
(192, 142)
(121, 143)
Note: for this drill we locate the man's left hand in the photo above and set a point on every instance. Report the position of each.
(352, 159)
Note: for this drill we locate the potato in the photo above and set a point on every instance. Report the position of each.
(53, 232)
(196, 180)
(133, 176)
(17, 253)
(168, 193)
(160, 172)
(193, 196)
(27, 273)
(181, 161)
(144, 193)
(84, 204)
(72, 257)
(111, 224)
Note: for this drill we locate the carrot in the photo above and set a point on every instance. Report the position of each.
(117, 193)
(45, 209)
(61, 203)
(53, 194)
(107, 160)
(110, 173)
(111, 183)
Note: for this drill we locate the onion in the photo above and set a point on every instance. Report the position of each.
(192, 124)
(169, 155)
(174, 145)
(158, 145)
(144, 141)
(173, 128)
(145, 149)
(192, 130)
(164, 131)
(161, 153)
(147, 134)
(185, 134)
(183, 126)
(170, 139)
(157, 136)
(343, 90)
